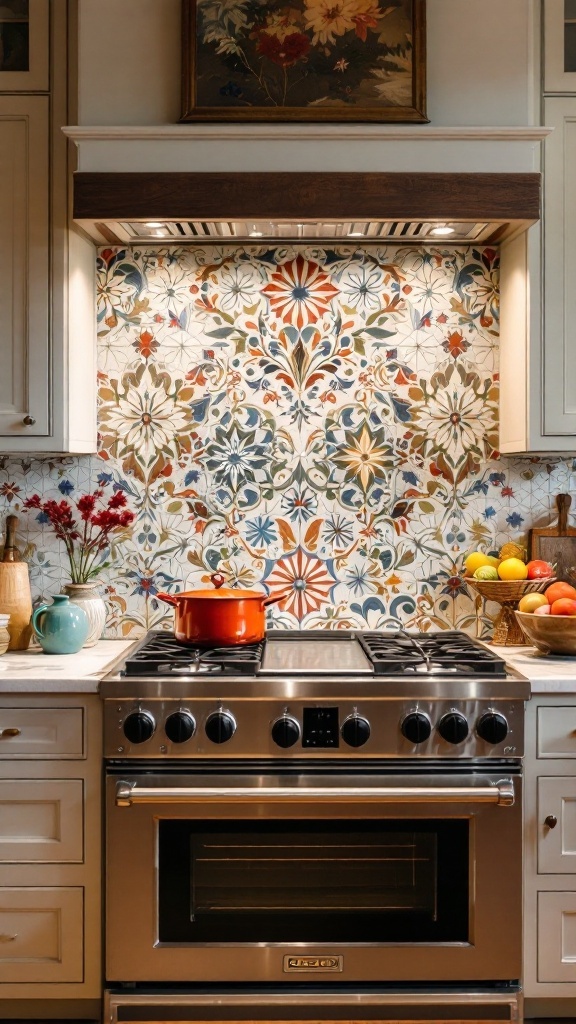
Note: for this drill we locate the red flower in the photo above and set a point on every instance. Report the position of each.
(284, 52)
(118, 500)
(84, 549)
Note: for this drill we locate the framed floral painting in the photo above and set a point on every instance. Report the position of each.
(304, 60)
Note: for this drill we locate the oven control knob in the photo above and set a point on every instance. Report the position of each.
(139, 726)
(220, 726)
(355, 730)
(453, 727)
(492, 727)
(416, 727)
(285, 731)
(180, 727)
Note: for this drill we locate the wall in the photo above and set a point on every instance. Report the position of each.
(481, 60)
(322, 423)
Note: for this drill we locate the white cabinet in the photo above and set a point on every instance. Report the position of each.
(47, 333)
(550, 849)
(557, 937)
(538, 349)
(50, 855)
(559, 46)
(24, 265)
(559, 377)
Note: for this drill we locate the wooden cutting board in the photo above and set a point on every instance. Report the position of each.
(557, 544)
(15, 597)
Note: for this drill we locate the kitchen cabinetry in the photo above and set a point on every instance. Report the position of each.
(48, 380)
(50, 860)
(559, 46)
(550, 849)
(24, 51)
(538, 355)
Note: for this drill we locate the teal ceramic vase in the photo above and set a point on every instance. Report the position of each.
(61, 627)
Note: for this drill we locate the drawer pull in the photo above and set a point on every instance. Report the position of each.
(8, 938)
(551, 821)
(5, 734)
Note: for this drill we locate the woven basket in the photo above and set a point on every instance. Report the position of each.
(507, 593)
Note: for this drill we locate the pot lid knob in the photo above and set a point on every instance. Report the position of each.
(218, 580)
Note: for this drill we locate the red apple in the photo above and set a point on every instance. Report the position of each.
(564, 606)
(539, 570)
(543, 609)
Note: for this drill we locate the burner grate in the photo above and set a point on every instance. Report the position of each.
(443, 653)
(162, 654)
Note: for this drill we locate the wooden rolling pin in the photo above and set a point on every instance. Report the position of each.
(15, 596)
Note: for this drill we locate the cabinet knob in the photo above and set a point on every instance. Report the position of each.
(28, 421)
(7, 733)
(8, 938)
(551, 821)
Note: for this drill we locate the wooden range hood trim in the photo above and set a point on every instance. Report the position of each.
(306, 196)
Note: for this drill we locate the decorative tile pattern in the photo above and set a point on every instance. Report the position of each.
(319, 422)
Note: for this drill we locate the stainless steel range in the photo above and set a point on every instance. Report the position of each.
(327, 821)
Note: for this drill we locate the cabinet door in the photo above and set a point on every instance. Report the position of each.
(559, 356)
(556, 936)
(24, 266)
(559, 46)
(41, 821)
(41, 935)
(24, 46)
(557, 840)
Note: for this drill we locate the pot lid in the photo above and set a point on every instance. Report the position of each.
(235, 593)
(222, 592)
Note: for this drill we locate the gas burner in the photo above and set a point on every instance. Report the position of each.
(161, 654)
(449, 653)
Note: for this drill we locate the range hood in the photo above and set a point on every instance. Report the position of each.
(229, 184)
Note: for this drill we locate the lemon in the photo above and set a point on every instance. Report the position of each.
(486, 572)
(474, 561)
(512, 550)
(530, 602)
(512, 569)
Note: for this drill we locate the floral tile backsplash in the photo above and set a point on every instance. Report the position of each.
(322, 423)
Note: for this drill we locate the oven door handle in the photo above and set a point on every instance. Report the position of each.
(501, 793)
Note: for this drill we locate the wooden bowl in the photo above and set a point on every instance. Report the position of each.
(507, 593)
(552, 634)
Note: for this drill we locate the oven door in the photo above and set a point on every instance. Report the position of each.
(294, 877)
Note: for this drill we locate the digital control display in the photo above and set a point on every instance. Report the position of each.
(320, 727)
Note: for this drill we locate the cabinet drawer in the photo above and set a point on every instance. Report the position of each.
(41, 821)
(557, 845)
(41, 732)
(557, 732)
(41, 935)
(556, 936)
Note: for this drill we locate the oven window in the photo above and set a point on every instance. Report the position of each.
(301, 881)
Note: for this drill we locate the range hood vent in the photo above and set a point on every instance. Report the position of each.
(259, 232)
(122, 208)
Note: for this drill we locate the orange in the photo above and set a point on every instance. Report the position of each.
(512, 569)
(530, 602)
(556, 591)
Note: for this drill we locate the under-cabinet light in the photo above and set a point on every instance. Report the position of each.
(442, 229)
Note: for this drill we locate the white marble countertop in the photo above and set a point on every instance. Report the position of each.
(33, 671)
(548, 673)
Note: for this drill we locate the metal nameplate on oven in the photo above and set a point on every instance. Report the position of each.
(313, 963)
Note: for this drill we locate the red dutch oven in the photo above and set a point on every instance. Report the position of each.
(222, 617)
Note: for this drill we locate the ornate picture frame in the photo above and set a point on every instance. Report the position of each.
(304, 60)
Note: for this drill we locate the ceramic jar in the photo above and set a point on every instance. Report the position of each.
(61, 627)
(86, 596)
